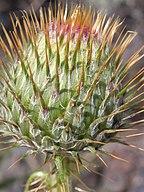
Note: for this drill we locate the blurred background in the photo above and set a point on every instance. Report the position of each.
(119, 176)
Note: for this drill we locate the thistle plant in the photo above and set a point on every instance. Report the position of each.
(64, 88)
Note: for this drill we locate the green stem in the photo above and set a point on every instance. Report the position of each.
(67, 181)
(63, 166)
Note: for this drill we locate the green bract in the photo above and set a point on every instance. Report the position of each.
(64, 88)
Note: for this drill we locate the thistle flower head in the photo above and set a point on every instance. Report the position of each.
(64, 89)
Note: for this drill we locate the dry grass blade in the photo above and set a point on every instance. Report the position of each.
(5, 49)
(139, 121)
(20, 159)
(134, 135)
(7, 37)
(85, 186)
(114, 156)
(89, 162)
(92, 150)
(7, 148)
(133, 114)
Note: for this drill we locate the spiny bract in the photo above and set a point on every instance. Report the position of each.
(61, 92)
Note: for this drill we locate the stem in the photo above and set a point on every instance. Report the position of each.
(63, 177)
(67, 176)
(68, 181)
